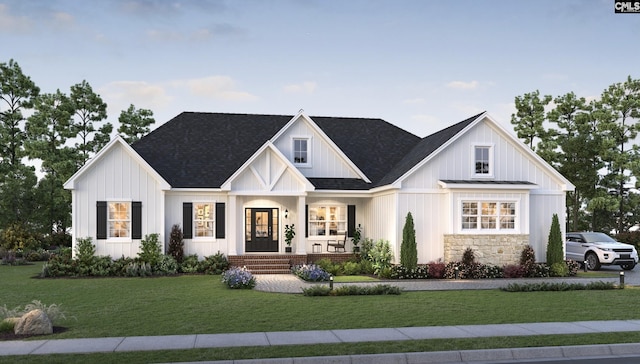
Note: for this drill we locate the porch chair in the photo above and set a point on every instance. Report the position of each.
(337, 241)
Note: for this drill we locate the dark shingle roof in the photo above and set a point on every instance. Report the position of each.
(202, 150)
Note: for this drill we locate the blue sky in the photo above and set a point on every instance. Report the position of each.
(421, 65)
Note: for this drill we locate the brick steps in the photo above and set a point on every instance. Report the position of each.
(265, 264)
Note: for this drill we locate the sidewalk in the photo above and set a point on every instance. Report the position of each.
(291, 284)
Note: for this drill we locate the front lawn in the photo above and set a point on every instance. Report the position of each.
(103, 307)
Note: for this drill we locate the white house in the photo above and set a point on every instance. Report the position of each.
(233, 181)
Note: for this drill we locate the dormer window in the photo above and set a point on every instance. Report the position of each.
(301, 151)
(483, 161)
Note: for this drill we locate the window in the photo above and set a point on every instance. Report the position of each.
(203, 219)
(300, 150)
(119, 220)
(327, 220)
(483, 161)
(488, 215)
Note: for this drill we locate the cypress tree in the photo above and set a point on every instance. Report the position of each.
(409, 250)
(555, 253)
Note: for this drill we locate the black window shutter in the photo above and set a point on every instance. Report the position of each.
(306, 221)
(136, 220)
(220, 223)
(101, 220)
(187, 220)
(351, 220)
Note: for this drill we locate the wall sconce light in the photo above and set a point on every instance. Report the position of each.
(286, 213)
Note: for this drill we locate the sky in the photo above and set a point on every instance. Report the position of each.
(421, 65)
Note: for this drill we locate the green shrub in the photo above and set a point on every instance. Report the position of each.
(189, 264)
(167, 265)
(367, 245)
(381, 256)
(557, 286)
(366, 266)
(213, 264)
(176, 243)
(85, 251)
(573, 268)
(330, 267)
(150, 249)
(18, 236)
(120, 267)
(559, 269)
(316, 290)
(351, 268)
(6, 326)
(401, 272)
(408, 249)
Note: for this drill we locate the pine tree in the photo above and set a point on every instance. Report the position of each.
(409, 250)
(555, 252)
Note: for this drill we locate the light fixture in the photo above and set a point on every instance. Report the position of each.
(621, 280)
(286, 213)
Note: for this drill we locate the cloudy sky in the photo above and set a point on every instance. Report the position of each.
(421, 65)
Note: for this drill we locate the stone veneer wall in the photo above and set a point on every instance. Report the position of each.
(488, 249)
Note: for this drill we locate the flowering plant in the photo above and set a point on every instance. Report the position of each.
(311, 273)
(239, 278)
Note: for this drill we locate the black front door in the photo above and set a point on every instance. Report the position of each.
(261, 230)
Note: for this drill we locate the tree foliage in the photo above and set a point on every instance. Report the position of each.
(555, 250)
(89, 110)
(409, 249)
(135, 123)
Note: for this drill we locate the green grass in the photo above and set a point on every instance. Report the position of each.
(597, 274)
(351, 279)
(104, 307)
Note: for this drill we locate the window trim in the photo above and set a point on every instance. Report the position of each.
(497, 230)
(213, 220)
(120, 239)
(309, 141)
(344, 208)
(491, 160)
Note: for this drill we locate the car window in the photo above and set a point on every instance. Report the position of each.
(598, 238)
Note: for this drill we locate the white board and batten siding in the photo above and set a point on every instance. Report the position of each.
(116, 176)
(436, 210)
(324, 160)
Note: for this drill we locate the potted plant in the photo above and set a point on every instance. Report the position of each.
(357, 235)
(289, 233)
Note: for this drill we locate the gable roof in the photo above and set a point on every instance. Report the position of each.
(202, 150)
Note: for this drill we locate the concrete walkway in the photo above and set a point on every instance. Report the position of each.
(291, 284)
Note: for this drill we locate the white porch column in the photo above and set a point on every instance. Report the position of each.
(232, 227)
(301, 241)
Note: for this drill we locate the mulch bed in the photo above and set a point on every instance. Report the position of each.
(6, 336)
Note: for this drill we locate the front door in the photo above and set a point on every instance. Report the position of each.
(261, 230)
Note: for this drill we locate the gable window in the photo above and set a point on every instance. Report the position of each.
(483, 161)
(488, 215)
(119, 220)
(203, 219)
(327, 220)
(301, 150)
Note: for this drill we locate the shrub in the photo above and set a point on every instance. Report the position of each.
(53, 311)
(367, 245)
(559, 269)
(528, 261)
(436, 269)
(401, 272)
(351, 268)
(167, 265)
(7, 326)
(238, 278)
(559, 286)
(85, 251)
(150, 249)
(408, 249)
(330, 267)
(366, 267)
(514, 271)
(316, 290)
(573, 268)
(120, 267)
(17, 236)
(213, 264)
(381, 256)
(310, 273)
(468, 257)
(176, 243)
(189, 264)
(555, 252)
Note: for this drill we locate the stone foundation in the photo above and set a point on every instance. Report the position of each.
(498, 250)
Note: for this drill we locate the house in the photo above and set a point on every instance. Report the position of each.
(233, 181)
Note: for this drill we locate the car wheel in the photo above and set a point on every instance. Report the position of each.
(592, 261)
(628, 266)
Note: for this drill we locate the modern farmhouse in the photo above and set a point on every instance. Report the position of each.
(234, 181)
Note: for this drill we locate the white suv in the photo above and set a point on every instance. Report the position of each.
(598, 249)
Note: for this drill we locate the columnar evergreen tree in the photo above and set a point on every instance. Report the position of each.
(135, 123)
(409, 249)
(555, 250)
(89, 110)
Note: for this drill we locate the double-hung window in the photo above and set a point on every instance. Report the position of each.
(119, 220)
(326, 221)
(488, 215)
(483, 161)
(301, 151)
(203, 222)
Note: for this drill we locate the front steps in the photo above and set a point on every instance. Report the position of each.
(281, 263)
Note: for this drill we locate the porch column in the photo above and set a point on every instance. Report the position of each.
(301, 241)
(232, 227)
